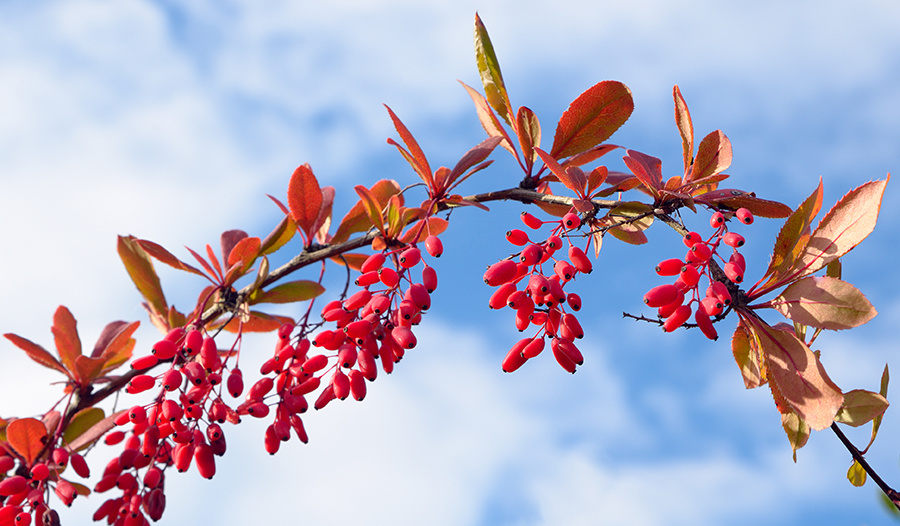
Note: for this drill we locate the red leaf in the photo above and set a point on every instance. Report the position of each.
(592, 118)
(372, 206)
(215, 261)
(646, 168)
(244, 252)
(228, 240)
(713, 156)
(65, 335)
(88, 369)
(571, 180)
(304, 199)
(164, 256)
(27, 437)
(37, 353)
(472, 157)
(417, 159)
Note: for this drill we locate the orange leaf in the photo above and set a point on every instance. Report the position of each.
(27, 437)
(825, 303)
(488, 120)
(572, 177)
(304, 199)
(592, 118)
(685, 128)
(746, 353)
(37, 353)
(529, 130)
(279, 236)
(799, 376)
(372, 206)
(435, 226)
(164, 256)
(850, 221)
(258, 322)
(140, 268)
(356, 219)
(88, 369)
(65, 334)
(244, 252)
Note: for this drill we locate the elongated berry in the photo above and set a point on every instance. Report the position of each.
(574, 301)
(561, 357)
(691, 238)
(433, 246)
(429, 279)
(500, 272)
(404, 337)
(373, 262)
(738, 259)
(531, 221)
(720, 291)
(357, 385)
(140, 383)
(80, 465)
(13, 485)
(570, 321)
(580, 260)
(669, 267)
(706, 326)
(700, 253)
(410, 257)
(367, 279)
(314, 364)
(358, 300)
(689, 275)
(164, 349)
(517, 237)
(514, 358)
(717, 220)
(531, 255)
(677, 318)
(564, 270)
(733, 239)
(734, 272)
(499, 297)
(710, 306)
(744, 216)
(571, 221)
(538, 285)
(553, 243)
(661, 295)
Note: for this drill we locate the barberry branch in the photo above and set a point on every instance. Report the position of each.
(890, 492)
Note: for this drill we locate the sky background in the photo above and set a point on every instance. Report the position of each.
(170, 121)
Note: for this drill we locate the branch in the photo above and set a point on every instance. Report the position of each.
(890, 492)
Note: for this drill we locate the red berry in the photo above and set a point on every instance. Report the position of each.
(691, 238)
(531, 255)
(553, 243)
(373, 262)
(733, 239)
(666, 310)
(235, 383)
(500, 273)
(357, 300)
(24, 518)
(140, 383)
(80, 465)
(564, 270)
(699, 253)
(538, 285)
(404, 337)
(517, 237)
(710, 306)
(661, 295)
(164, 349)
(706, 326)
(580, 260)
(738, 259)
(720, 291)
(677, 318)
(734, 272)
(689, 275)
(531, 221)
(500, 296)
(574, 301)
(571, 221)
(367, 279)
(561, 357)
(744, 216)
(514, 358)
(669, 267)
(429, 279)
(410, 257)
(434, 246)
(136, 414)
(533, 348)
(144, 362)
(717, 220)
(315, 363)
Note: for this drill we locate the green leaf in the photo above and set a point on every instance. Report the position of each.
(81, 422)
(140, 269)
(856, 474)
(796, 429)
(824, 303)
(279, 236)
(292, 291)
(489, 69)
(860, 407)
(592, 118)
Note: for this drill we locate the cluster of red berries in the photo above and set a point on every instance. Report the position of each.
(182, 427)
(542, 300)
(24, 494)
(670, 299)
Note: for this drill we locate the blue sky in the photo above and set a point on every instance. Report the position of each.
(172, 120)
